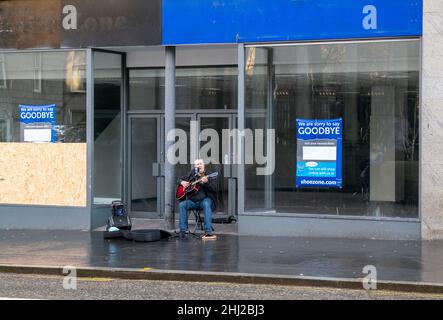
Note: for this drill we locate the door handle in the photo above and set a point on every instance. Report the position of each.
(227, 171)
(156, 169)
(234, 171)
(162, 169)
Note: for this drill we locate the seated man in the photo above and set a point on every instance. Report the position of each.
(203, 199)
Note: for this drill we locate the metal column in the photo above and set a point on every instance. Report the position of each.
(241, 128)
(269, 179)
(90, 131)
(169, 126)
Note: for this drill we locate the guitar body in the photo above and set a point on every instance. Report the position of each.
(182, 192)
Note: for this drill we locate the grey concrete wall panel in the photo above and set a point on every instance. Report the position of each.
(299, 226)
(44, 218)
(99, 216)
(431, 146)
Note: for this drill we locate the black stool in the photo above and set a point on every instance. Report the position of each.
(199, 219)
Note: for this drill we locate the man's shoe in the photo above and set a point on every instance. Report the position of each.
(208, 236)
(182, 234)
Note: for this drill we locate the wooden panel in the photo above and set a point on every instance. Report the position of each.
(30, 24)
(43, 174)
(26, 24)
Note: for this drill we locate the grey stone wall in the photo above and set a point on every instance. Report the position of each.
(432, 121)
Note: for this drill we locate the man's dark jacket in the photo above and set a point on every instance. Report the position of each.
(210, 188)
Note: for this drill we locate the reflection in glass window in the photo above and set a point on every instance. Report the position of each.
(38, 72)
(206, 88)
(147, 89)
(196, 88)
(2, 72)
(107, 127)
(41, 78)
(75, 72)
(374, 88)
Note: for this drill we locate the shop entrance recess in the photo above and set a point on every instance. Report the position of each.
(146, 156)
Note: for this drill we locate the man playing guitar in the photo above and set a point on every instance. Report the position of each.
(204, 198)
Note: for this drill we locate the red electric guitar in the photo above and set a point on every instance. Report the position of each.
(193, 187)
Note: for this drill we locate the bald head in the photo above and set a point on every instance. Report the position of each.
(199, 163)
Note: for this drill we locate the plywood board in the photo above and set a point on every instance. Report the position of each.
(43, 174)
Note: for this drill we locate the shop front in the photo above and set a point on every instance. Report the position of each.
(325, 97)
(63, 171)
(313, 63)
(368, 168)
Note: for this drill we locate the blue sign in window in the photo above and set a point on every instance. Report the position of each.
(38, 123)
(319, 153)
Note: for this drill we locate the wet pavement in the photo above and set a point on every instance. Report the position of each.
(36, 286)
(344, 258)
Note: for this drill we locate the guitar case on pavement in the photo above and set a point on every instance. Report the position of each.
(120, 225)
(140, 235)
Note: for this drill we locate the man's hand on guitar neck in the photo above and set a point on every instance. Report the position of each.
(185, 184)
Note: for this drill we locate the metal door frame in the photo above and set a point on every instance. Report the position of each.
(194, 115)
(232, 179)
(158, 166)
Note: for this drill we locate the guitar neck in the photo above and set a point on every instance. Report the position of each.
(200, 179)
(197, 181)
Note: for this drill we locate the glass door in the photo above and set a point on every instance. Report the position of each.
(144, 165)
(217, 150)
(108, 101)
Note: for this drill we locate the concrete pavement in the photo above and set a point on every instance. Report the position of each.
(400, 265)
(51, 287)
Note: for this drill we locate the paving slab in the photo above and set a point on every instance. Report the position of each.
(279, 257)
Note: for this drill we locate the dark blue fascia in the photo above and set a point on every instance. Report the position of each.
(248, 21)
